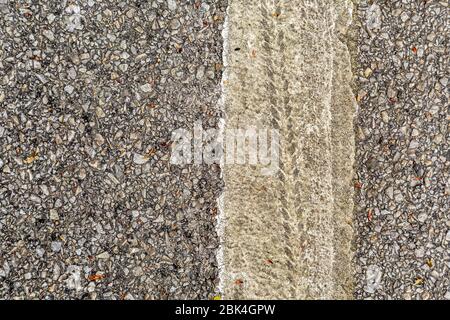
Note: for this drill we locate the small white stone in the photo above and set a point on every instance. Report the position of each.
(56, 246)
(54, 214)
(91, 287)
(373, 18)
(404, 16)
(72, 73)
(135, 213)
(422, 217)
(434, 110)
(172, 4)
(51, 18)
(200, 72)
(447, 295)
(49, 35)
(99, 140)
(73, 8)
(398, 197)
(146, 88)
(123, 67)
(390, 192)
(138, 271)
(84, 56)
(129, 296)
(414, 144)
(103, 255)
(40, 252)
(385, 116)
(74, 279)
(140, 57)
(69, 89)
(373, 278)
(420, 252)
(99, 112)
(140, 159)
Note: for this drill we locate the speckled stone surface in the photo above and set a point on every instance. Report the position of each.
(403, 159)
(92, 208)
(90, 92)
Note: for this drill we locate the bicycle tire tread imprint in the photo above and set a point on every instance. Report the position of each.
(289, 235)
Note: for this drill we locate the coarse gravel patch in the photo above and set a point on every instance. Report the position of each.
(90, 92)
(402, 130)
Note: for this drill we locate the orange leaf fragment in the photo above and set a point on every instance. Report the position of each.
(370, 215)
(150, 153)
(31, 158)
(96, 277)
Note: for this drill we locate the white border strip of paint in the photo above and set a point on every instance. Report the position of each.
(221, 220)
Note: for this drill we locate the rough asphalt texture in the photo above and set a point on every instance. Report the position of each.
(91, 208)
(90, 92)
(403, 151)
